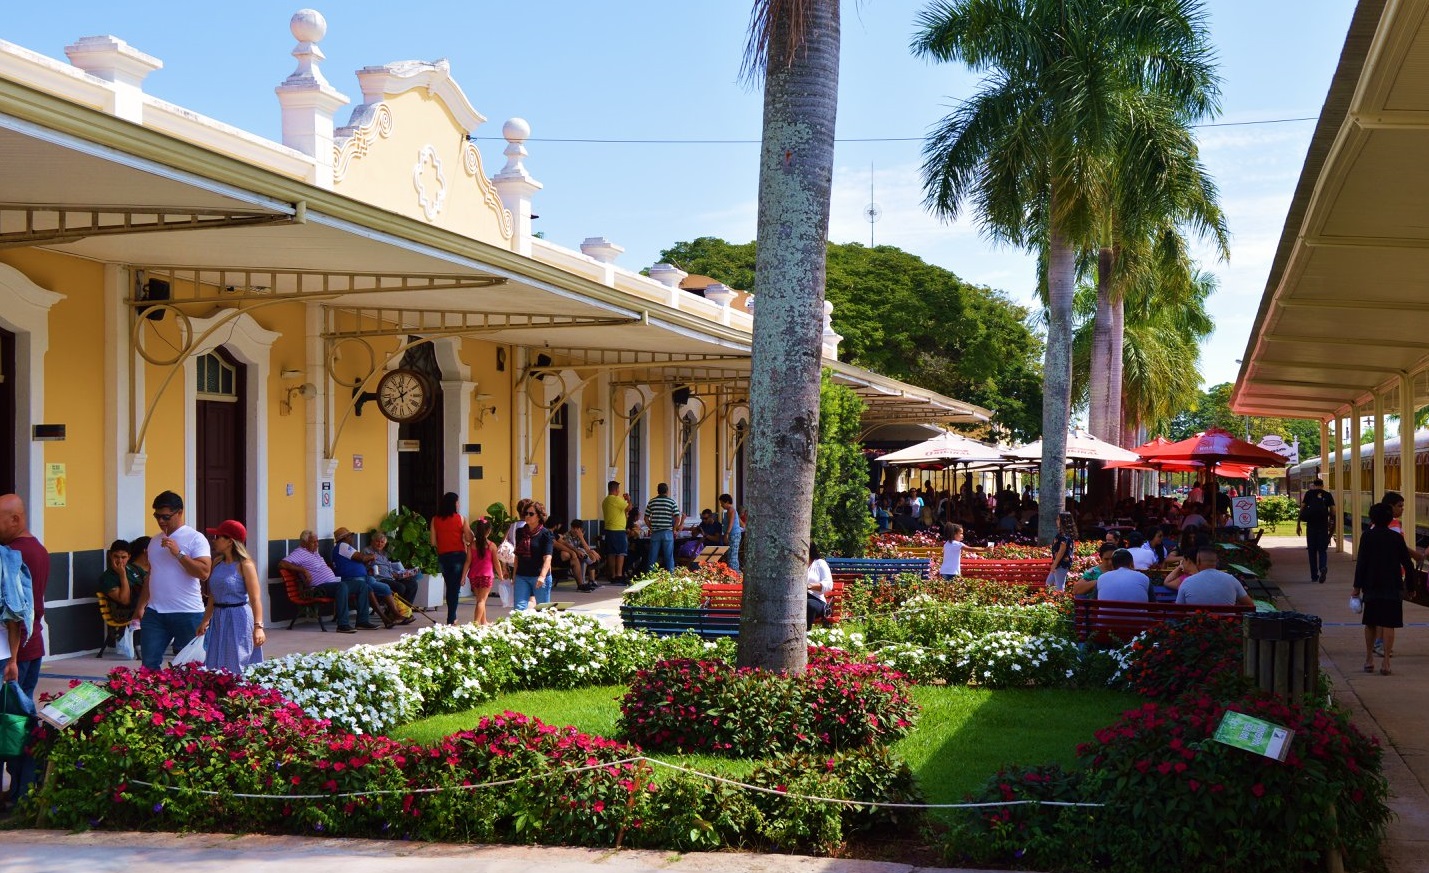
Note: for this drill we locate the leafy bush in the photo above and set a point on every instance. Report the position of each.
(1276, 508)
(679, 587)
(927, 621)
(1008, 659)
(174, 750)
(362, 690)
(409, 540)
(1200, 653)
(837, 703)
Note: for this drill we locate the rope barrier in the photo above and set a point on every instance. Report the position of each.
(637, 759)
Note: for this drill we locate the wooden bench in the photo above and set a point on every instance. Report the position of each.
(1025, 571)
(113, 625)
(309, 605)
(1113, 622)
(724, 595)
(669, 621)
(880, 570)
(925, 553)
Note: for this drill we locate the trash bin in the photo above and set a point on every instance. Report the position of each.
(1282, 652)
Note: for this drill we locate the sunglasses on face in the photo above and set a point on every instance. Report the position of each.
(158, 516)
(531, 515)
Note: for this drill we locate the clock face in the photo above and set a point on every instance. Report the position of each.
(403, 396)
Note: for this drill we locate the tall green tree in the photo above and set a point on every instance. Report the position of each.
(1211, 408)
(1031, 150)
(1160, 189)
(841, 524)
(912, 320)
(793, 49)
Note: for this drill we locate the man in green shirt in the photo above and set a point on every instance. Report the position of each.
(121, 582)
(613, 511)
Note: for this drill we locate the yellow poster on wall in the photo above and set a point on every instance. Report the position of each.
(55, 490)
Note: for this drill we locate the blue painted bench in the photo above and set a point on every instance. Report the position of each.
(668, 621)
(879, 569)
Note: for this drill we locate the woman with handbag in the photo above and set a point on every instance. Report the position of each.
(1383, 564)
(233, 619)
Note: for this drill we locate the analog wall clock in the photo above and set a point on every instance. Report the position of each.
(405, 396)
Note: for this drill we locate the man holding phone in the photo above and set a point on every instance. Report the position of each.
(171, 605)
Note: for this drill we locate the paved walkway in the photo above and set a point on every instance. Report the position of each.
(1390, 707)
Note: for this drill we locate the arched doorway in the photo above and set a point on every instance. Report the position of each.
(420, 471)
(635, 460)
(220, 437)
(689, 472)
(7, 413)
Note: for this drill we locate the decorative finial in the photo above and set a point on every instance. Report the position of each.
(308, 27)
(515, 130)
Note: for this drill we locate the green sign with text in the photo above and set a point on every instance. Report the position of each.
(68, 708)
(1254, 735)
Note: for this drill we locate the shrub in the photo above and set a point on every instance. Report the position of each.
(1200, 653)
(837, 703)
(1276, 508)
(361, 690)
(1008, 659)
(1176, 800)
(927, 621)
(679, 587)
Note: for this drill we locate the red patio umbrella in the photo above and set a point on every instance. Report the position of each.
(1211, 448)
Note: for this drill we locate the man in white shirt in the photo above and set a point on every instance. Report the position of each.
(1211, 586)
(171, 605)
(1142, 555)
(1122, 582)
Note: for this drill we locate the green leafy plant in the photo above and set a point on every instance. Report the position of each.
(409, 540)
(1276, 508)
(500, 520)
(841, 521)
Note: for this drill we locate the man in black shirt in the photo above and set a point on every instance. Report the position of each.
(1316, 511)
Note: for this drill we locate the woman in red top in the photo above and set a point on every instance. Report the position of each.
(452, 539)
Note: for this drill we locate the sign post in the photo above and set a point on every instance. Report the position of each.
(1243, 512)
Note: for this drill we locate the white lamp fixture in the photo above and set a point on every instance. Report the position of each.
(482, 408)
(595, 418)
(307, 389)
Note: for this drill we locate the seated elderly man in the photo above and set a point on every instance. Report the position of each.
(352, 565)
(312, 570)
(1211, 586)
(399, 578)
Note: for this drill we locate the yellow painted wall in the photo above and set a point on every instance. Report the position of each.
(287, 434)
(73, 394)
(384, 175)
(360, 496)
(494, 430)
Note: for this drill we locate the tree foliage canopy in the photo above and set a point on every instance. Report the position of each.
(841, 523)
(1212, 409)
(906, 318)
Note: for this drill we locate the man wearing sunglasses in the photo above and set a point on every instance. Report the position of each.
(171, 605)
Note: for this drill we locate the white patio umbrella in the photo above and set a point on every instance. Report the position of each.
(943, 449)
(1081, 446)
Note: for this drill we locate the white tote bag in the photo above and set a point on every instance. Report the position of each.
(193, 653)
(124, 646)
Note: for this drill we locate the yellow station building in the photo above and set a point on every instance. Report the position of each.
(308, 333)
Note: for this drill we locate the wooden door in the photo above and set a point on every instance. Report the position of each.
(221, 442)
(420, 476)
(558, 475)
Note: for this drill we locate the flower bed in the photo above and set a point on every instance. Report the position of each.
(839, 702)
(174, 750)
(1175, 800)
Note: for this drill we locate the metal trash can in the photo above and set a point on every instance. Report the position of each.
(1282, 652)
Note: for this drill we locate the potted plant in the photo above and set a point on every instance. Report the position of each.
(409, 540)
(500, 521)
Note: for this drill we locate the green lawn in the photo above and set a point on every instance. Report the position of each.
(962, 737)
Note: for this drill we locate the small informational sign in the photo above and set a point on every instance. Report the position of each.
(357, 462)
(326, 495)
(409, 445)
(1254, 735)
(1243, 511)
(56, 492)
(71, 706)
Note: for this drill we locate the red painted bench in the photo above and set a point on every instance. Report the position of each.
(723, 595)
(1113, 622)
(1032, 571)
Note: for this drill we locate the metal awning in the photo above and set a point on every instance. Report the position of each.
(1346, 307)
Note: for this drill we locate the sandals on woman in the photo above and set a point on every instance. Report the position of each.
(1385, 671)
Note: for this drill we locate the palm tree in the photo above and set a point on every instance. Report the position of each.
(794, 47)
(1160, 187)
(1036, 143)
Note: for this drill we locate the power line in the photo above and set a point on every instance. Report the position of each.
(596, 141)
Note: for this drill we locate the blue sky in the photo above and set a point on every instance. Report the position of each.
(645, 70)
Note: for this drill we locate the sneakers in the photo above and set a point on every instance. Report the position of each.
(346, 629)
(369, 626)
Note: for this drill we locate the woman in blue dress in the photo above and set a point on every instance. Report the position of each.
(233, 619)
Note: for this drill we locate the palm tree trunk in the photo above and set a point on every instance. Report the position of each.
(1100, 387)
(795, 181)
(1116, 358)
(1056, 378)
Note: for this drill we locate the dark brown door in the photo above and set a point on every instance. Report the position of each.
(419, 473)
(8, 380)
(222, 466)
(559, 474)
